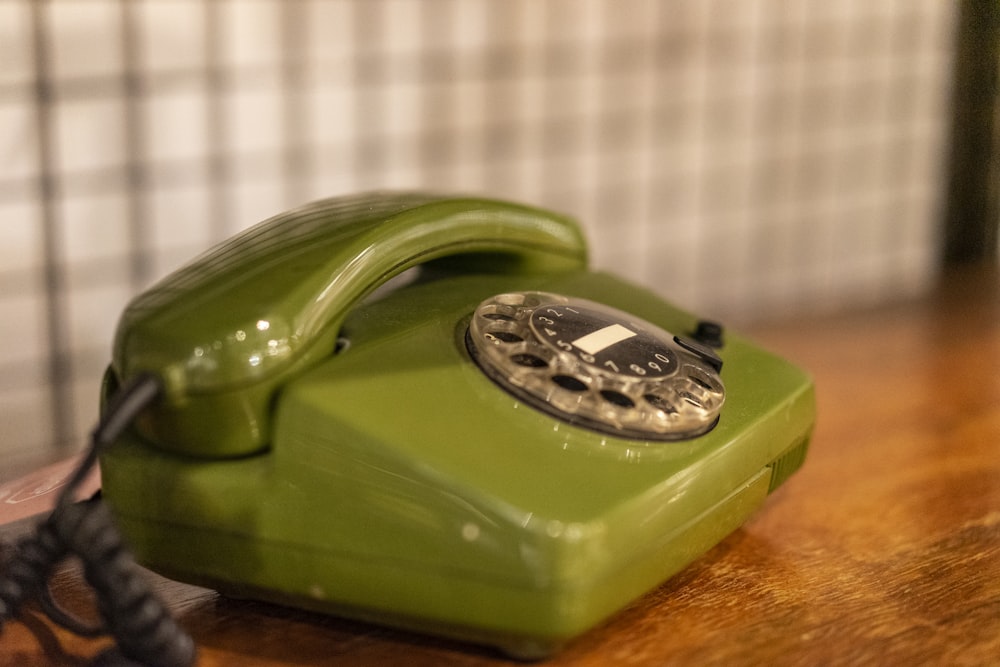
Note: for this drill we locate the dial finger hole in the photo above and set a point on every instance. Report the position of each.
(700, 382)
(513, 299)
(660, 403)
(692, 399)
(617, 398)
(697, 377)
(502, 317)
(569, 382)
(529, 360)
(504, 336)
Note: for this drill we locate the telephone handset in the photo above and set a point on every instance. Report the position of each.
(507, 448)
(226, 330)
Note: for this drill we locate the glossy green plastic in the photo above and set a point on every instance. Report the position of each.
(402, 486)
(228, 329)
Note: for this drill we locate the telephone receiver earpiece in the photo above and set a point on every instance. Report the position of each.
(225, 331)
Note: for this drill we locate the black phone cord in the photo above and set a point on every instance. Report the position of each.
(142, 627)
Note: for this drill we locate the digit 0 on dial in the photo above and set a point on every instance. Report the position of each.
(595, 366)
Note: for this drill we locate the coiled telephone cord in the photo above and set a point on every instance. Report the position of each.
(143, 629)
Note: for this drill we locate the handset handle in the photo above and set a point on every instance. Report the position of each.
(226, 330)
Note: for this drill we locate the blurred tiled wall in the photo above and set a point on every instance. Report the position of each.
(745, 158)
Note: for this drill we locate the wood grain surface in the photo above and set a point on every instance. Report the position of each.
(883, 549)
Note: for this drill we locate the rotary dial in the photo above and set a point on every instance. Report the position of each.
(596, 366)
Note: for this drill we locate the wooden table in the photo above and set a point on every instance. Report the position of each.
(884, 549)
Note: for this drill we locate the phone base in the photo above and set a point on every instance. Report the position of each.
(516, 491)
(561, 612)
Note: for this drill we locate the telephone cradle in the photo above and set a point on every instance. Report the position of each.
(498, 445)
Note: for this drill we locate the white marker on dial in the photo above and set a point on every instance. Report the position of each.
(602, 339)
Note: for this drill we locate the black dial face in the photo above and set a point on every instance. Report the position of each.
(603, 341)
(596, 366)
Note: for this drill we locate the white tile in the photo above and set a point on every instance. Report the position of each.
(181, 217)
(404, 174)
(255, 120)
(89, 134)
(85, 38)
(93, 315)
(254, 201)
(168, 260)
(470, 27)
(93, 228)
(330, 34)
(25, 419)
(172, 34)
(18, 140)
(85, 395)
(332, 112)
(16, 62)
(20, 236)
(522, 23)
(334, 174)
(403, 26)
(176, 125)
(22, 325)
(402, 108)
(251, 32)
